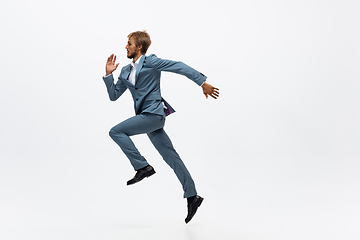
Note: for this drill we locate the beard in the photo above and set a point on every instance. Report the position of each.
(131, 55)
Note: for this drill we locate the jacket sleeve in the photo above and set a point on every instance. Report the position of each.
(114, 90)
(177, 67)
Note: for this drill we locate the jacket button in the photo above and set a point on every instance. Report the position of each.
(136, 88)
(137, 99)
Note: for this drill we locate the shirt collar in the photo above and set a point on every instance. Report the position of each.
(137, 62)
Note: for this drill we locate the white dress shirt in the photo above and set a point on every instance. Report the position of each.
(133, 71)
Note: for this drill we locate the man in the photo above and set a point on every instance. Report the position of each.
(142, 78)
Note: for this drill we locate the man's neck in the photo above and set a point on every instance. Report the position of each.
(137, 57)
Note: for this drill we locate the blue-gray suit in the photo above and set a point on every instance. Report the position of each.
(150, 113)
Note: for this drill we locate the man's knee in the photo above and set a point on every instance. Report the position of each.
(113, 132)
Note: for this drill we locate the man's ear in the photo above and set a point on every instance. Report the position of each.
(139, 48)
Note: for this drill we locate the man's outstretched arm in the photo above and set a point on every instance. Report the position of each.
(177, 67)
(183, 69)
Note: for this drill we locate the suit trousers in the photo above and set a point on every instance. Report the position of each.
(152, 125)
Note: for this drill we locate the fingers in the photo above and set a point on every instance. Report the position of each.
(214, 92)
(214, 96)
(111, 59)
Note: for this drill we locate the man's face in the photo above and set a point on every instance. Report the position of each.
(132, 49)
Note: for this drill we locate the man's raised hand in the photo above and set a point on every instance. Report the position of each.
(110, 64)
(210, 90)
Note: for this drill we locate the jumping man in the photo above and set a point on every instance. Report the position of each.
(142, 78)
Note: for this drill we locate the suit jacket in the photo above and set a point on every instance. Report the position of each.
(146, 92)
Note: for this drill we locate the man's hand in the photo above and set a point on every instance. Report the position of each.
(110, 64)
(210, 90)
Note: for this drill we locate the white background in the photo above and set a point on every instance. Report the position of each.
(275, 157)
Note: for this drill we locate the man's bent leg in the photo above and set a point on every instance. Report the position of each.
(143, 123)
(163, 144)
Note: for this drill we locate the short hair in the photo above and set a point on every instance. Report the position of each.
(141, 38)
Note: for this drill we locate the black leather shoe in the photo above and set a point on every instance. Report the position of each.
(141, 174)
(192, 207)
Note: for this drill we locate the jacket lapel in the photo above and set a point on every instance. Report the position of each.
(126, 72)
(139, 67)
